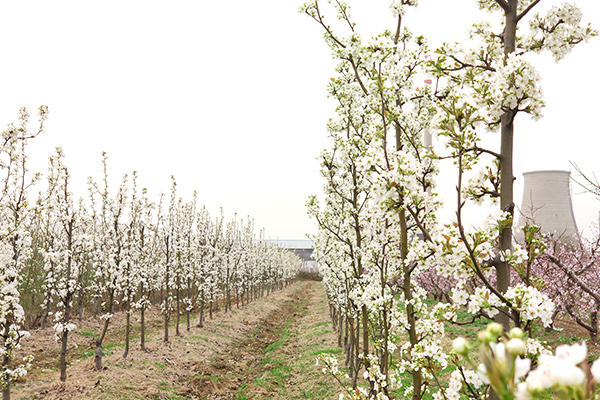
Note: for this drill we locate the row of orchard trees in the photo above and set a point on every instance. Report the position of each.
(378, 226)
(117, 251)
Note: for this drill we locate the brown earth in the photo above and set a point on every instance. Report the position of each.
(266, 349)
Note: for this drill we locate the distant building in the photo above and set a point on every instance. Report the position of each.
(547, 203)
(304, 250)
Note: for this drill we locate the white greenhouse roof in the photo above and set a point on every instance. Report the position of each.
(294, 244)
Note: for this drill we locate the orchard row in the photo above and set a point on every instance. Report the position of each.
(115, 251)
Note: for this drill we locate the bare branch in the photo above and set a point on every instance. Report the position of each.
(574, 278)
(589, 184)
(479, 150)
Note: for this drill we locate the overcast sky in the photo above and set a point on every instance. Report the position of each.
(230, 96)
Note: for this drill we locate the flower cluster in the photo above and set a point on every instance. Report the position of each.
(558, 31)
(511, 377)
(560, 372)
(531, 304)
(398, 7)
(515, 87)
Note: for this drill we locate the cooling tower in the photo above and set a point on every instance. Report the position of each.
(547, 202)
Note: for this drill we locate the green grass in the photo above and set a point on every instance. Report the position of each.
(121, 364)
(336, 350)
(198, 338)
(240, 395)
(323, 323)
(163, 386)
(321, 390)
(320, 332)
(88, 334)
(107, 349)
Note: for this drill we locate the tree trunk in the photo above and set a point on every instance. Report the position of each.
(178, 310)
(63, 355)
(506, 166)
(45, 316)
(166, 296)
(229, 297)
(127, 330)
(98, 355)
(188, 305)
(143, 327)
(80, 304)
(6, 365)
(166, 337)
(340, 329)
(64, 339)
(201, 321)
(594, 325)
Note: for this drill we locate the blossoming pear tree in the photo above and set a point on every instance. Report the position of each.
(68, 242)
(131, 274)
(14, 243)
(378, 152)
(378, 141)
(486, 84)
(167, 226)
(145, 264)
(110, 250)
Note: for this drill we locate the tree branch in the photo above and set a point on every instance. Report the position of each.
(504, 4)
(574, 278)
(527, 10)
(397, 36)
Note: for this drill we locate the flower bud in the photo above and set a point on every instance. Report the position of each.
(596, 370)
(484, 337)
(460, 346)
(495, 329)
(516, 333)
(515, 346)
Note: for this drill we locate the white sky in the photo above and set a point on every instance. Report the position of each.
(230, 96)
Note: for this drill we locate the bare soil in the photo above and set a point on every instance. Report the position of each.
(266, 349)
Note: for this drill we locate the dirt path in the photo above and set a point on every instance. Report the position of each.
(277, 358)
(234, 370)
(265, 350)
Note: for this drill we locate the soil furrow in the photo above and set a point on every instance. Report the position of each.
(237, 370)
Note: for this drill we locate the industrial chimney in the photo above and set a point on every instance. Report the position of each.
(547, 203)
